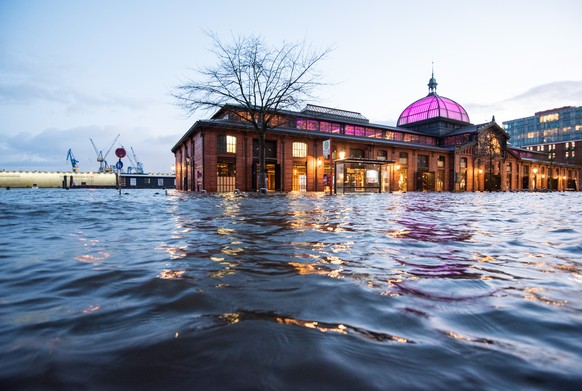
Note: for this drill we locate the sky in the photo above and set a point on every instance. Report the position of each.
(72, 71)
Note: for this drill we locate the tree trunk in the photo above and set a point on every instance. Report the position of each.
(262, 182)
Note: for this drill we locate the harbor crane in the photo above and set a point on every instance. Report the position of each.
(71, 158)
(137, 165)
(103, 166)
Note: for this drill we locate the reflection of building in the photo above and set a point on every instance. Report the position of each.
(557, 132)
(434, 147)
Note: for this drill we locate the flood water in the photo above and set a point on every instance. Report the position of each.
(432, 291)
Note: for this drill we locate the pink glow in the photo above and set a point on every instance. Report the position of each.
(433, 106)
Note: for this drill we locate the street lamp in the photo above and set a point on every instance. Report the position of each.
(535, 171)
(316, 174)
(479, 180)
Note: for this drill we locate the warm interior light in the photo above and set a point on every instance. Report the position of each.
(480, 171)
(342, 154)
(397, 167)
(535, 170)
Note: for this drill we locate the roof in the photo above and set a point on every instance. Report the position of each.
(338, 114)
(433, 106)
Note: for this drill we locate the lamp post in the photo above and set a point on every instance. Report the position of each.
(316, 174)
(479, 180)
(535, 171)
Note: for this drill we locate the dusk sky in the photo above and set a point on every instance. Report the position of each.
(75, 70)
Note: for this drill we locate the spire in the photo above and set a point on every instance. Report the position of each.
(432, 83)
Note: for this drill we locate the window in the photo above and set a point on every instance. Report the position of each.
(389, 135)
(549, 117)
(423, 162)
(441, 162)
(307, 124)
(357, 153)
(403, 158)
(463, 162)
(299, 150)
(160, 182)
(382, 155)
(226, 144)
(132, 182)
(355, 130)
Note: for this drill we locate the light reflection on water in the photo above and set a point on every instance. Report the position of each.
(295, 291)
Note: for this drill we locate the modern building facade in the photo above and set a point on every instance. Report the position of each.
(434, 147)
(557, 132)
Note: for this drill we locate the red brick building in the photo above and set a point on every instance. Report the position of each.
(433, 148)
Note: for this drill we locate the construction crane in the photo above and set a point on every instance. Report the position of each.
(103, 166)
(137, 165)
(71, 158)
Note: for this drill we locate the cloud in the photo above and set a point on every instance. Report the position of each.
(541, 97)
(73, 100)
(47, 150)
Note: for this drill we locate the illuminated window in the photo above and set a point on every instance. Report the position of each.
(307, 124)
(549, 117)
(226, 144)
(382, 155)
(441, 162)
(299, 150)
(403, 158)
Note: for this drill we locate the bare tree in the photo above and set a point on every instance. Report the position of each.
(489, 146)
(257, 80)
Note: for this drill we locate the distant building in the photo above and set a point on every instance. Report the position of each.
(434, 147)
(148, 181)
(557, 132)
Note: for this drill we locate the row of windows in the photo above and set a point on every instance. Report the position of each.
(362, 131)
(549, 117)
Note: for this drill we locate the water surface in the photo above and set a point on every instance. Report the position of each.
(285, 292)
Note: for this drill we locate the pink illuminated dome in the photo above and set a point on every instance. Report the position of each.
(433, 106)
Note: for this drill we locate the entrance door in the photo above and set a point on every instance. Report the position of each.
(299, 177)
(271, 182)
(492, 182)
(425, 181)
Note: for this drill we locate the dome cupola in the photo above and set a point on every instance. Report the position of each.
(433, 106)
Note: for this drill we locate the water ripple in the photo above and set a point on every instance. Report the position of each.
(290, 291)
